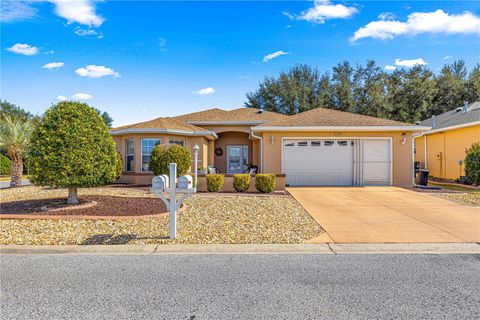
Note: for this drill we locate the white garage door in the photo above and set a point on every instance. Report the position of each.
(318, 162)
(337, 162)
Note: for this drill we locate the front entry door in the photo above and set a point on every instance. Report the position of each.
(237, 159)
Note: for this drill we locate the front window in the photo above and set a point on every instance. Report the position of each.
(180, 142)
(130, 155)
(147, 148)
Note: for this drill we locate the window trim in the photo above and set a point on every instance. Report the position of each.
(129, 154)
(177, 139)
(141, 150)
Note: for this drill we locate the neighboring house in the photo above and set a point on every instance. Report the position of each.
(442, 149)
(317, 147)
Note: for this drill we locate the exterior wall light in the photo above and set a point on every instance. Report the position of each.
(404, 138)
(272, 140)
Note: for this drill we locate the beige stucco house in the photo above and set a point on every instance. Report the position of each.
(317, 147)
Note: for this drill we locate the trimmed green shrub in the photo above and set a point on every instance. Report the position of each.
(118, 165)
(472, 163)
(215, 182)
(265, 182)
(241, 182)
(72, 148)
(163, 155)
(5, 165)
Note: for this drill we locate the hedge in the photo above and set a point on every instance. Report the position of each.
(215, 182)
(163, 155)
(241, 182)
(472, 163)
(265, 182)
(5, 165)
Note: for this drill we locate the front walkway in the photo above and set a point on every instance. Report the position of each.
(387, 215)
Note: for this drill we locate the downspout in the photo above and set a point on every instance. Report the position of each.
(414, 136)
(261, 149)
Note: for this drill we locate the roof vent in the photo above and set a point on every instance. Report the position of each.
(458, 109)
(433, 121)
(465, 107)
(260, 111)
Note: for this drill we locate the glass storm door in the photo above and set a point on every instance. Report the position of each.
(237, 159)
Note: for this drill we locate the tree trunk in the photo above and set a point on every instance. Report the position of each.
(17, 170)
(72, 196)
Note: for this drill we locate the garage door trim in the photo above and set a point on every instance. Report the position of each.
(390, 139)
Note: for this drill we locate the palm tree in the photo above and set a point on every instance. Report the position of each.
(14, 139)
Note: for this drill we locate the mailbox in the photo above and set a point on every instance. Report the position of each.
(160, 183)
(185, 182)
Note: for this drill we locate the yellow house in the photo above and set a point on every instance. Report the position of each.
(441, 150)
(317, 147)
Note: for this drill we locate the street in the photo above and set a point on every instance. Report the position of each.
(272, 286)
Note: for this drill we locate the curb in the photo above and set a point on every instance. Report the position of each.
(380, 248)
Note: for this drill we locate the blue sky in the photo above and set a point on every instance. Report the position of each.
(140, 60)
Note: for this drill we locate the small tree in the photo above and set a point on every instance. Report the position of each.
(15, 135)
(72, 148)
(163, 155)
(472, 163)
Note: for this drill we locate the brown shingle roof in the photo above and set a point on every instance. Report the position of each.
(236, 115)
(329, 117)
(162, 123)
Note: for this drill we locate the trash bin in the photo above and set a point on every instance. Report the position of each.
(424, 177)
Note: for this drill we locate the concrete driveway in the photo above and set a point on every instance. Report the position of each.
(387, 215)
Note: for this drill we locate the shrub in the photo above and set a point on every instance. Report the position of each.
(241, 182)
(5, 165)
(215, 182)
(265, 182)
(163, 155)
(72, 148)
(472, 163)
(118, 165)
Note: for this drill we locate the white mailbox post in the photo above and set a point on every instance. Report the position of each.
(161, 186)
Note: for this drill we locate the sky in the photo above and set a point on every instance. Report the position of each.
(139, 60)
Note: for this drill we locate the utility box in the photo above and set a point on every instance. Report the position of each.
(185, 182)
(160, 183)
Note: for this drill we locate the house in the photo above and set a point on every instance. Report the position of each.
(317, 147)
(442, 149)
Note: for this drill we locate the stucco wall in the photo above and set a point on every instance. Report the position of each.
(230, 138)
(444, 149)
(401, 158)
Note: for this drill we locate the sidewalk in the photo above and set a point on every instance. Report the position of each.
(381, 248)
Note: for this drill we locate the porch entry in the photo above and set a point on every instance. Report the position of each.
(237, 158)
(337, 162)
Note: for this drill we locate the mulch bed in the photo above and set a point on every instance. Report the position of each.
(91, 205)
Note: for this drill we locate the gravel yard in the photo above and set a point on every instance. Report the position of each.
(469, 198)
(207, 219)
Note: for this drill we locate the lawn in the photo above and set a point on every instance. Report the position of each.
(208, 218)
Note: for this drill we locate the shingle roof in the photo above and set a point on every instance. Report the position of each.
(162, 123)
(455, 117)
(329, 117)
(236, 115)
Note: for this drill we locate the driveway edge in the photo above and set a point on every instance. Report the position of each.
(380, 248)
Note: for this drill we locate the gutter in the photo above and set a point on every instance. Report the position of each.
(261, 149)
(340, 128)
(226, 123)
(177, 132)
(459, 126)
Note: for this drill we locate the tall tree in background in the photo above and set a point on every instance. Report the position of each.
(473, 85)
(106, 117)
(369, 92)
(452, 88)
(15, 135)
(13, 111)
(343, 87)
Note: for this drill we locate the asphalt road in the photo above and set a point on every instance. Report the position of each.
(240, 287)
(6, 184)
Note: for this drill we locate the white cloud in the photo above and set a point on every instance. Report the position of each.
(79, 11)
(323, 10)
(390, 68)
(81, 96)
(409, 63)
(93, 71)
(61, 98)
(274, 55)
(15, 10)
(386, 16)
(205, 91)
(23, 48)
(88, 32)
(447, 57)
(421, 22)
(53, 65)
